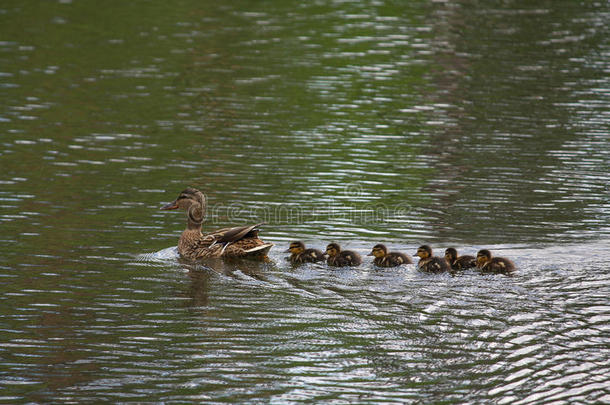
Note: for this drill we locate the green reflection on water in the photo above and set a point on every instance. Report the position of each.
(470, 122)
(389, 121)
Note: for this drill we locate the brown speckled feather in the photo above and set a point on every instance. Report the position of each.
(499, 265)
(228, 235)
(392, 259)
(433, 265)
(307, 256)
(239, 241)
(464, 262)
(344, 258)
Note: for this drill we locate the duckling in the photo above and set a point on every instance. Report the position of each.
(301, 255)
(241, 241)
(385, 259)
(495, 265)
(459, 262)
(341, 258)
(429, 263)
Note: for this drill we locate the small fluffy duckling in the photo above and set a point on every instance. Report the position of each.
(385, 259)
(301, 255)
(341, 258)
(496, 265)
(459, 262)
(429, 263)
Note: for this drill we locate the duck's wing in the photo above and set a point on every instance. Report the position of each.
(230, 235)
(315, 255)
(465, 262)
(402, 258)
(351, 258)
(502, 265)
(437, 265)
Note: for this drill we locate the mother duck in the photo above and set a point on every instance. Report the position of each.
(241, 241)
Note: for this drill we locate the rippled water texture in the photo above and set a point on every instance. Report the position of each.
(459, 123)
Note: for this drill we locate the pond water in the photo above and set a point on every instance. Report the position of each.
(451, 123)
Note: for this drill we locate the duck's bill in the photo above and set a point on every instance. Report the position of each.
(171, 206)
(370, 254)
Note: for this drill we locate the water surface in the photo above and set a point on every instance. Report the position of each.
(472, 124)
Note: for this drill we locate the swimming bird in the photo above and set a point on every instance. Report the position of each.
(241, 241)
(341, 258)
(496, 265)
(301, 255)
(385, 259)
(459, 262)
(430, 263)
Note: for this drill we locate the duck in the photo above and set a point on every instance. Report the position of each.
(430, 263)
(496, 265)
(385, 259)
(459, 262)
(240, 241)
(341, 258)
(301, 255)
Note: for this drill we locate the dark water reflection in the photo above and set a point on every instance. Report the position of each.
(476, 124)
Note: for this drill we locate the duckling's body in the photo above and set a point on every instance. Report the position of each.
(430, 263)
(241, 241)
(495, 265)
(459, 262)
(301, 255)
(383, 258)
(341, 258)
(433, 265)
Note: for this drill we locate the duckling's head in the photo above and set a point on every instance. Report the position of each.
(450, 254)
(333, 249)
(424, 251)
(379, 251)
(483, 256)
(192, 201)
(296, 247)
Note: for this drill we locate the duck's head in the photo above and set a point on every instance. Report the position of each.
(379, 251)
(450, 254)
(192, 201)
(333, 249)
(296, 247)
(424, 251)
(483, 256)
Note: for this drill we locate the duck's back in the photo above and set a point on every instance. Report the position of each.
(400, 258)
(345, 258)
(433, 265)
(392, 259)
(464, 262)
(241, 241)
(499, 265)
(308, 256)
